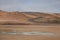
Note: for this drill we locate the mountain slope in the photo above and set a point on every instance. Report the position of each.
(25, 17)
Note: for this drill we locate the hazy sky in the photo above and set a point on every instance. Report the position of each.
(30, 5)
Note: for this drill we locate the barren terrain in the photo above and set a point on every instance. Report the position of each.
(47, 32)
(29, 26)
(26, 17)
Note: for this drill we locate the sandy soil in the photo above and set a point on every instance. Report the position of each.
(30, 28)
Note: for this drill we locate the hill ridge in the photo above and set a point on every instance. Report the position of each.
(26, 17)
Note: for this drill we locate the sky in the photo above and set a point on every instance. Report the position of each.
(30, 5)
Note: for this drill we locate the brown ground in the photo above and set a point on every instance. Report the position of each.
(29, 28)
(26, 17)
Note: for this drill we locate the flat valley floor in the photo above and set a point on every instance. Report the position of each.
(30, 32)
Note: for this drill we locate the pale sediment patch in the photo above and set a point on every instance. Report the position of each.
(29, 33)
(37, 33)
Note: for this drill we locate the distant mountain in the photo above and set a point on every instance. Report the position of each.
(26, 17)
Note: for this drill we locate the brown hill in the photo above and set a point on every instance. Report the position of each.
(25, 17)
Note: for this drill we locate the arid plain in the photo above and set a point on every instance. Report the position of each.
(55, 29)
(29, 26)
